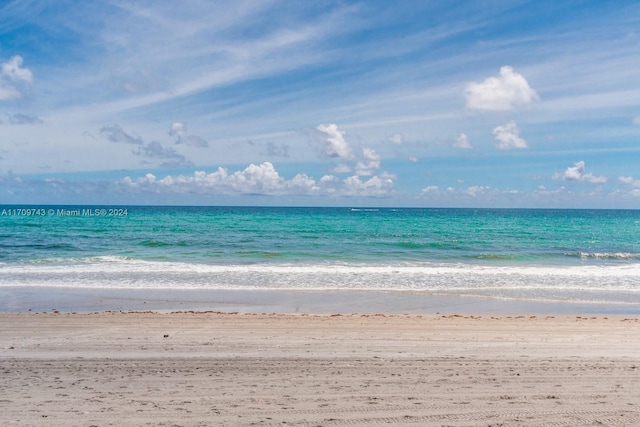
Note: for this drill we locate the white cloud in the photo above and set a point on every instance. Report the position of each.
(396, 139)
(13, 77)
(577, 173)
(628, 180)
(508, 137)
(342, 168)
(369, 164)
(336, 145)
(12, 70)
(501, 93)
(477, 190)
(434, 190)
(179, 130)
(376, 186)
(636, 120)
(367, 161)
(462, 141)
(263, 179)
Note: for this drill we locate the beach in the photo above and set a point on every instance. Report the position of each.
(202, 368)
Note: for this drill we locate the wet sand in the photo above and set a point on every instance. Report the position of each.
(208, 368)
(47, 299)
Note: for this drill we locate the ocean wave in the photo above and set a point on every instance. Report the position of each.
(70, 261)
(411, 245)
(160, 243)
(605, 255)
(459, 278)
(123, 262)
(40, 246)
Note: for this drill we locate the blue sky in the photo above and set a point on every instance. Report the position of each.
(408, 103)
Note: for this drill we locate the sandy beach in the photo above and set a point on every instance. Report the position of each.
(207, 368)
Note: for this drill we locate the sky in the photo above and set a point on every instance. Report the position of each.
(510, 104)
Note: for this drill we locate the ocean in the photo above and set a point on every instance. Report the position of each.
(537, 255)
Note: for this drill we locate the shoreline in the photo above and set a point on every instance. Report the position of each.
(83, 300)
(205, 368)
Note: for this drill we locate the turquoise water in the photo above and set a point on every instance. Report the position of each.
(554, 255)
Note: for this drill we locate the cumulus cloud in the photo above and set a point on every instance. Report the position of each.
(335, 143)
(577, 173)
(12, 69)
(508, 137)
(628, 180)
(263, 179)
(430, 189)
(367, 161)
(376, 186)
(179, 130)
(477, 190)
(462, 141)
(336, 146)
(369, 164)
(501, 93)
(14, 78)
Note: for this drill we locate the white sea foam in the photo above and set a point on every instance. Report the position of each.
(609, 255)
(620, 283)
